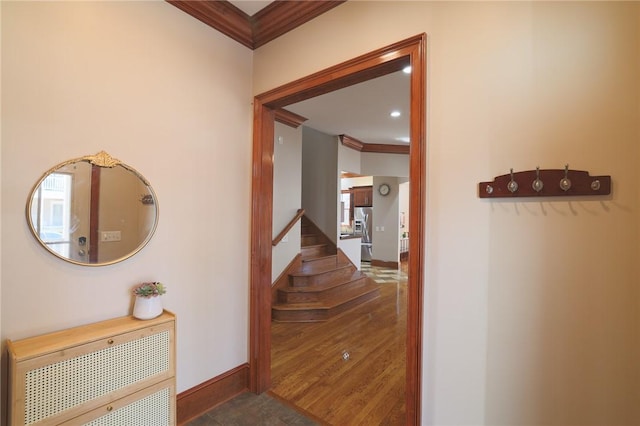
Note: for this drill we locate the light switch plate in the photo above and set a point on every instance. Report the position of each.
(110, 236)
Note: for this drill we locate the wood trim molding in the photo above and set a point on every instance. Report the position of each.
(381, 148)
(94, 214)
(261, 232)
(278, 18)
(283, 279)
(417, 227)
(350, 142)
(289, 118)
(199, 399)
(349, 175)
(220, 15)
(375, 64)
(384, 264)
(353, 143)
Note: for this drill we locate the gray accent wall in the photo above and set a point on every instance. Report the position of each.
(320, 179)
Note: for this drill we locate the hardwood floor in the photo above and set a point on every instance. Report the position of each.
(349, 370)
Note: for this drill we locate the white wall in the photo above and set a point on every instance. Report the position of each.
(348, 159)
(386, 218)
(376, 164)
(287, 176)
(168, 95)
(352, 248)
(320, 180)
(403, 205)
(531, 306)
(347, 183)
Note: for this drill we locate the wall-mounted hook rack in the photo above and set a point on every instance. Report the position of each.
(545, 183)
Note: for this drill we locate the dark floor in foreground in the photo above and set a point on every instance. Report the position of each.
(249, 409)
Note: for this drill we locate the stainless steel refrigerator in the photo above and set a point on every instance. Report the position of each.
(363, 222)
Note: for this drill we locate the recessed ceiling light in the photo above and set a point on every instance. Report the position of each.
(395, 114)
(407, 69)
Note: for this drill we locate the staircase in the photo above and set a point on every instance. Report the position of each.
(321, 284)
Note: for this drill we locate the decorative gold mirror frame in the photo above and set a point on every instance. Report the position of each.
(102, 160)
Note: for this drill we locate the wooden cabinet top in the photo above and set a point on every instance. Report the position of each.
(31, 347)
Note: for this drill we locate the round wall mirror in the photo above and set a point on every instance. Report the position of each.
(93, 210)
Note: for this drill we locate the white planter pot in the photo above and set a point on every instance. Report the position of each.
(146, 308)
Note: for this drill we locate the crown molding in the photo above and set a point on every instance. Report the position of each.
(289, 118)
(278, 18)
(282, 16)
(222, 16)
(353, 143)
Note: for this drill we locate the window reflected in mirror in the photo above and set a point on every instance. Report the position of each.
(51, 211)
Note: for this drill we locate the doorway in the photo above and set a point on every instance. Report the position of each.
(375, 64)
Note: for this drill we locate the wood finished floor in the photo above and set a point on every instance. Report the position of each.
(309, 368)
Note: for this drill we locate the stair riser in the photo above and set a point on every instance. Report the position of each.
(341, 274)
(314, 251)
(315, 315)
(320, 294)
(308, 240)
(324, 262)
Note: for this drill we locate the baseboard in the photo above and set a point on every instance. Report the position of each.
(384, 264)
(201, 398)
(283, 279)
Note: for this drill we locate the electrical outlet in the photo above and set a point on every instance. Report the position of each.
(110, 236)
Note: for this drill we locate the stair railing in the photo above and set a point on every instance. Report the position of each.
(287, 228)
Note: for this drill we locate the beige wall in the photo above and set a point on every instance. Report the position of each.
(531, 306)
(167, 95)
(287, 194)
(2, 388)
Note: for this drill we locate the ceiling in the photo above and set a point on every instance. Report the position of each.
(250, 7)
(360, 111)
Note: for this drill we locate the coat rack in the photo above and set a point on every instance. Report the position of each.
(545, 183)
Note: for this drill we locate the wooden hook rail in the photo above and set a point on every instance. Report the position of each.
(545, 183)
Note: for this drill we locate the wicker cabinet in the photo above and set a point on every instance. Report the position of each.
(115, 372)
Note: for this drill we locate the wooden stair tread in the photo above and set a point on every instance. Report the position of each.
(330, 303)
(321, 270)
(311, 259)
(315, 245)
(319, 288)
(324, 283)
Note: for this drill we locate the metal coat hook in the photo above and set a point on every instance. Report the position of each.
(512, 186)
(565, 183)
(537, 184)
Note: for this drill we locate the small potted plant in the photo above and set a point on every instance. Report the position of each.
(148, 303)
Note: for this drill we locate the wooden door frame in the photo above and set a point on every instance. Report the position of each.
(375, 64)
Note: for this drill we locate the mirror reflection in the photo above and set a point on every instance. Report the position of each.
(93, 210)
